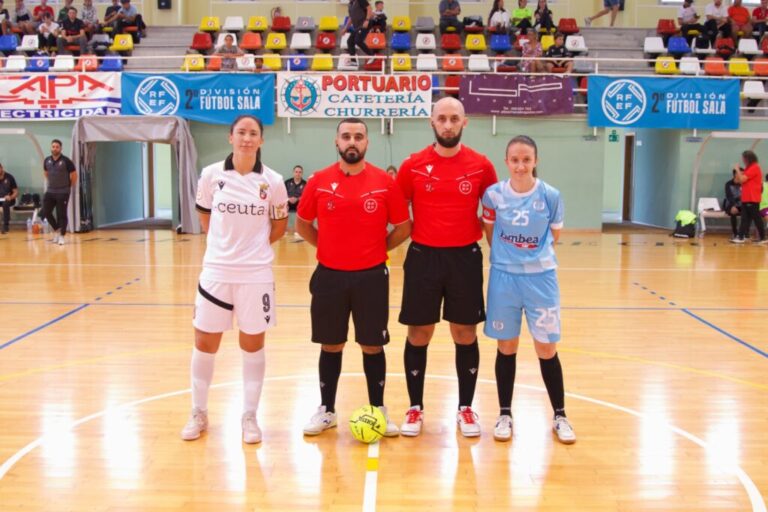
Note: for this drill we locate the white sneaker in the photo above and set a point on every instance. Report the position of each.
(392, 430)
(55, 238)
(563, 429)
(414, 418)
(251, 430)
(503, 429)
(61, 240)
(196, 425)
(467, 420)
(588, 21)
(320, 421)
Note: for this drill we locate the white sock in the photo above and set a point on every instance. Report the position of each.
(202, 375)
(253, 379)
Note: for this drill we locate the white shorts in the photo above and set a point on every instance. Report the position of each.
(217, 303)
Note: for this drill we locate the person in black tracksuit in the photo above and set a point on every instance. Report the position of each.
(61, 176)
(732, 203)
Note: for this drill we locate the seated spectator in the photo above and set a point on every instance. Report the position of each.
(725, 47)
(110, 15)
(449, 15)
(48, 33)
(72, 32)
(498, 18)
(732, 203)
(760, 18)
(276, 12)
(378, 22)
(9, 191)
(558, 52)
(63, 11)
(522, 17)
(90, 16)
(5, 20)
(39, 10)
(543, 16)
(740, 19)
(717, 20)
(531, 49)
(229, 53)
(128, 16)
(688, 20)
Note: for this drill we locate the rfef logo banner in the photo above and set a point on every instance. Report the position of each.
(216, 98)
(52, 96)
(512, 95)
(353, 95)
(683, 103)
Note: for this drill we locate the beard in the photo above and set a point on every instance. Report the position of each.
(351, 155)
(450, 142)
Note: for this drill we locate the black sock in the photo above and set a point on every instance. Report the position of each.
(467, 365)
(506, 366)
(415, 360)
(375, 368)
(330, 370)
(552, 373)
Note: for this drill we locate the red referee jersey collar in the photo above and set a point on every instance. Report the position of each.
(230, 166)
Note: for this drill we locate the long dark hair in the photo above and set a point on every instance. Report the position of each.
(526, 141)
(494, 9)
(749, 157)
(261, 129)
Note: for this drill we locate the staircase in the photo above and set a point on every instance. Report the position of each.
(161, 43)
(618, 43)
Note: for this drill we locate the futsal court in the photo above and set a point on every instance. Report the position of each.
(664, 353)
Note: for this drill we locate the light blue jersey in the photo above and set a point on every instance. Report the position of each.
(522, 237)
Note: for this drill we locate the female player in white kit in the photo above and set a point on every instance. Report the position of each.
(243, 206)
(523, 217)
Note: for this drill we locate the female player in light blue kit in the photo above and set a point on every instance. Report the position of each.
(523, 217)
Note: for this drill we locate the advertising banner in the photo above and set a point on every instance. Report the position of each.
(514, 95)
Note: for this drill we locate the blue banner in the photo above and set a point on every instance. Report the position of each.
(682, 103)
(216, 98)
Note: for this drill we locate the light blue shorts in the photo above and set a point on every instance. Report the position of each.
(511, 294)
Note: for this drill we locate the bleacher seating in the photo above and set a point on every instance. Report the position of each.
(654, 45)
(568, 26)
(272, 61)
(346, 63)
(401, 62)
(38, 63)
(122, 43)
(210, 24)
(760, 66)
(748, 47)
(479, 63)
(298, 63)
(251, 42)
(739, 66)
(8, 44)
(301, 41)
(281, 24)
(257, 24)
(754, 90)
(715, 66)
(276, 41)
(246, 62)
(452, 83)
(500, 43)
(401, 41)
(64, 63)
(29, 43)
(376, 41)
(401, 24)
(426, 42)
(329, 24)
(450, 42)
(233, 24)
(547, 42)
(666, 65)
(322, 62)
(193, 63)
(201, 42)
(377, 64)
(453, 62)
(678, 46)
(214, 63)
(666, 27)
(690, 66)
(326, 41)
(425, 24)
(475, 43)
(87, 63)
(426, 62)
(576, 44)
(111, 63)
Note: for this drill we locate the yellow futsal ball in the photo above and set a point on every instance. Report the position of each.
(368, 424)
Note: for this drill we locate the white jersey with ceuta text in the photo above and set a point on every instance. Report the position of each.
(242, 208)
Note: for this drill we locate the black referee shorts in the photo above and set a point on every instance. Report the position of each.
(337, 293)
(434, 274)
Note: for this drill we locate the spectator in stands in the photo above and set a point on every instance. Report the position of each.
(688, 19)
(562, 58)
(751, 180)
(392, 171)
(522, 17)
(39, 10)
(24, 18)
(498, 18)
(110, 15)
(531, 49)
(725, 46)
(717, 20)
(609, 6)
(128, 16)
(378, 22)
(64, 10)
(229, 53)
(732, 203)
(295, 187)
(740, 19)
(543, 16)
(276, 12)
(9, 191)
(449, 15)
(48, 33)
(360, 14)
(759, 18)
(72, 32)
(90, 16)
(5, 20)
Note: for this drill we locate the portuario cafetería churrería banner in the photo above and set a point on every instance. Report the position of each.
(682, 103)
(514, 95)
(58, 96)
(216, 98)
(354, 95)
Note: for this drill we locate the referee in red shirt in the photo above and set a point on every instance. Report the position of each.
(444, 183)
(353, 201)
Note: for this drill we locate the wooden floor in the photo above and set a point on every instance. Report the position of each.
(665, 355)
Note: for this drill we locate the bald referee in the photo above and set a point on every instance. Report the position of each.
(353, 202)
(444, 266)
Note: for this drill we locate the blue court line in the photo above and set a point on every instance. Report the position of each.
(724, 333)
(41, 327)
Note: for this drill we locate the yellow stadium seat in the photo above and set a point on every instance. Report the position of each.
(122, 43)
(272, 61)
(666, 66)
(322, 62)
(193, 63)
(475, 43)
(210, 24)
(401, 24)
(329, 24)
(401, 62)
(257, 24)
(276, 41)
(739, 66)
(546, 42)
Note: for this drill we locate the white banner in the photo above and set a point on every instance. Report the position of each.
(354, 95)
(58, 96)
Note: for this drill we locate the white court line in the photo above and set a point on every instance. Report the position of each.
(371, 478)
(755, 499)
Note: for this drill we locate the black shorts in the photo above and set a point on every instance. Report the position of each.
(434, 274)
(337, 293)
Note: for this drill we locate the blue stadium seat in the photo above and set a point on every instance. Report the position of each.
(111, 63)
(8, 43)
(298, 63)
(500, 43)
(401, 41)
(38, 63)
(678, 46)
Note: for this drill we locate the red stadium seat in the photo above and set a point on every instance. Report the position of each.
(517, 44)
(376, 65)
(506, 68)
(666, 27)
(450, 42)
(452, 83)
(201, 42)
(281, 24)
(764, 45)
(568, 26)
(326, 41)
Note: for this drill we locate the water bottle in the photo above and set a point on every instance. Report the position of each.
(46, 227)
(29, 226)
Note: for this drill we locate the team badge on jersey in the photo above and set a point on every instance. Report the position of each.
(263, 187)
(428, 187)
(370, 205)
(330, 205)
(429, 169)
(221, 184)
(539, 205)
(465, 187)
